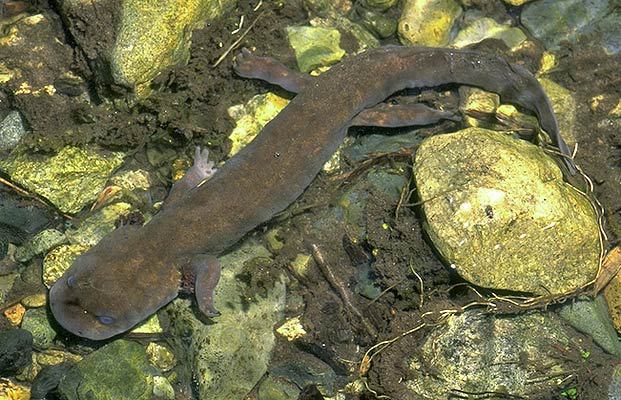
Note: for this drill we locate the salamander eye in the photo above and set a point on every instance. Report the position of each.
(71, 281)
(105, 320)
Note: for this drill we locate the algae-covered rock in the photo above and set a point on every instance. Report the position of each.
(11, 131)
(41, 242)
(36, 322)
(95, 227)
(154, 35)
(231, 356)
(427, 22)
(119, 370)
(483, 354)
(149, 36)
(499, 212)
(315, 46)
(485, 28)
(553, 21)
(251, 117)
(58, 260)
(69, 179)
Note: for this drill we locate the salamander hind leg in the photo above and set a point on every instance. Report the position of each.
(248, 65)
(207, 274)
(201, 170)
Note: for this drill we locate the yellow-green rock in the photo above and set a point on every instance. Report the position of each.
(427, 22)
(96, 226)
(58, 260)
(499, 212)
(486, 28)
(315, 46)
(251, 117)
(516, 2)
(154, 35)
(70, 179)
(477, 106)
(161, 356)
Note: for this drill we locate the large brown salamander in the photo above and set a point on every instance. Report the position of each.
(136, 270)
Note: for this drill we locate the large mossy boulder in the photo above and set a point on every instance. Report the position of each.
(499, 212)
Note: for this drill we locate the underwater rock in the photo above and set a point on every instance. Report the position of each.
(92, 229)
(47, 380)
(160, 356)
(11, 131)
(39, 244)
(487, 28)
(231, 356)
(591, 317)
(251, 117)
(37, 323)
(382, 25)
(117, 371)
(428, 22)
(314, 46)
(69, 179)
(58, 260)
(13, 391)
(150, 35)
(15, 350)
(498, 211)
(479, 353)
(553, 21)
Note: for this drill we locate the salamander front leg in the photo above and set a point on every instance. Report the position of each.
(207, 274)
(201, 170)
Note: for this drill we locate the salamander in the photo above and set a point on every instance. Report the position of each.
(136, 270)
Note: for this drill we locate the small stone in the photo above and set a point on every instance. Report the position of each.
(161, 357)
(98, 225)
(315, 47)
(151, 325)
(15, 314)
(40, 243)
(11, 131)
(251, 117)
(12, 391)
(277, 388)
(15, 350)
(162, 389)
(117, 371)
(301, 263)
(428, 22)
(292, 329)
(479, 216)
(35, 300)
(36, 322)
(516, 2)
(274, 242)
(70, 179)
(58, 260)
(591, 316)
(487, 28)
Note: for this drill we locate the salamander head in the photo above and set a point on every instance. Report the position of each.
(103, 295)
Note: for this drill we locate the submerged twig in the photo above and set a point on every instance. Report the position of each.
(238, 41)
(336, 283)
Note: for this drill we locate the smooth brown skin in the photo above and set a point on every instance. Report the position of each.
(134, 271)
